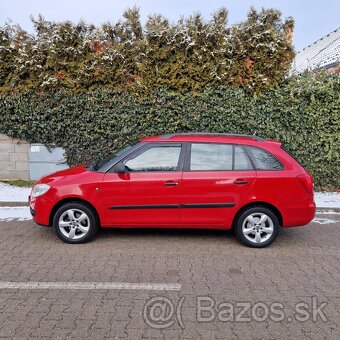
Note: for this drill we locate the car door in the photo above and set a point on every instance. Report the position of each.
(147, 194)
(216, 179)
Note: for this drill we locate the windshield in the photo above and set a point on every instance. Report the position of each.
(96, 165)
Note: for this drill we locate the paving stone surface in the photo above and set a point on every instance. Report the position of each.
(228, 291)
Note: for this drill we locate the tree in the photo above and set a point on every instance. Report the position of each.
(187, 55)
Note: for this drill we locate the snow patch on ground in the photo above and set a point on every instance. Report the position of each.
(327, 212)
(323, 220)
(17, 213)
(327, 199)
(10, 193)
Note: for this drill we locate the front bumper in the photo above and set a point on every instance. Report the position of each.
(32, 211)
(40, 208)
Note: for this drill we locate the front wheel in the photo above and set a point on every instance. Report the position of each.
(257, 227)
(75, 223)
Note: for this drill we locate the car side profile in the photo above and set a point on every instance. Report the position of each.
(193, 180)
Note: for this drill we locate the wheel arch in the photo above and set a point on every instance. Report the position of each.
(69, 200)
(275, 210)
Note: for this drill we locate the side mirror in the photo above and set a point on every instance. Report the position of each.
(120, 168)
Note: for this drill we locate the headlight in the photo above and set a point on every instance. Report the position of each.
(40, 189)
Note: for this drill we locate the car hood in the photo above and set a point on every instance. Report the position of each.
(57, 176)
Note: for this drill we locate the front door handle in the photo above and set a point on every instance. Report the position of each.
(240, 181)
(170, 184)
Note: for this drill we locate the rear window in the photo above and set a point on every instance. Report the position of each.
(263, 159)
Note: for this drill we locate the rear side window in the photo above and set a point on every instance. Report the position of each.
(218, 157)
(242, 161)
(211, 157)
(264, 160)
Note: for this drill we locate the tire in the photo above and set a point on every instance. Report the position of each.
(75, 223)
(257, 227)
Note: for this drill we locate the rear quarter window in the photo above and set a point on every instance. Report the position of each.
(263, 159)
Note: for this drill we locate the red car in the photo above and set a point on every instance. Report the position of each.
(193, 180)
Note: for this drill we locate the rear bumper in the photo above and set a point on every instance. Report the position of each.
(298, 215)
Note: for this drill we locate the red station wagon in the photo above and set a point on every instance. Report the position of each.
(192, 180)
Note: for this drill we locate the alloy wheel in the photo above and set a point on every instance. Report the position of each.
(74, 224)
(257, 227)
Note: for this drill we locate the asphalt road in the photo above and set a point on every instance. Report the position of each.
(186, 284)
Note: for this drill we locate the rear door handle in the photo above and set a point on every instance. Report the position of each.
(170, 184)
(240, 181)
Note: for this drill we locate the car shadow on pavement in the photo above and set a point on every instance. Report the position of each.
(163, 232)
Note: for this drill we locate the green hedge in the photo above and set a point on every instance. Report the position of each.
(303, 114)
(187, 55)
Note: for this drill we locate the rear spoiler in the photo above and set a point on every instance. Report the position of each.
(279, 144)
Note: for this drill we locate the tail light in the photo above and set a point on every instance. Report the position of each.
(306, 181)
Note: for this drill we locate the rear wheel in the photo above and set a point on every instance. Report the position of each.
(75, 223)
(257, 227)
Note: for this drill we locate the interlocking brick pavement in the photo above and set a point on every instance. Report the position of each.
(302, 263)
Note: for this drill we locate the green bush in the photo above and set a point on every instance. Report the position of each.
(302, 113)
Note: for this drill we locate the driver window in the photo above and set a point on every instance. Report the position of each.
(159, 158)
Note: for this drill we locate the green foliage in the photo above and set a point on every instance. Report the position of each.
(19, 183)
(184, 56)
(302, 113)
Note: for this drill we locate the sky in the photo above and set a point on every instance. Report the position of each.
(313, 18)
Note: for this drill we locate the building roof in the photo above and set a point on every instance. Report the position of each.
(322, 54)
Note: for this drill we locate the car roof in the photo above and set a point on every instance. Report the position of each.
(206, 138)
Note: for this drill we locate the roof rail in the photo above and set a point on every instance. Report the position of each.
(170, 135)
